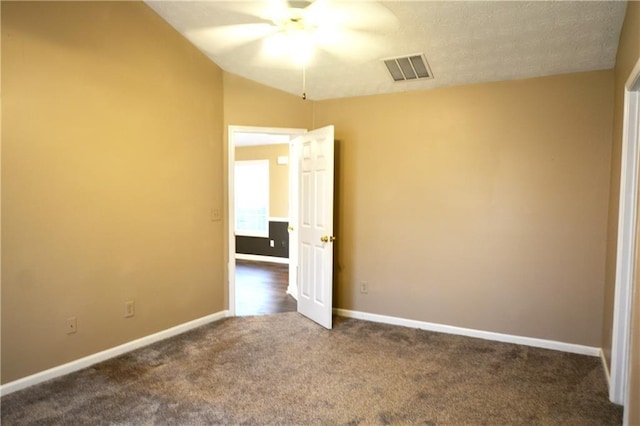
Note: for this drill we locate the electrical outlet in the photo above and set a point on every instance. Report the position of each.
(272, 243)
(215, 215)
(364, 287)
(71, 325)
(129, 309)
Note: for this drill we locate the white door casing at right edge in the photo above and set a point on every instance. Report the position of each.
(627, 250)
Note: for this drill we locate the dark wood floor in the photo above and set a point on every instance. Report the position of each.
(261, 288)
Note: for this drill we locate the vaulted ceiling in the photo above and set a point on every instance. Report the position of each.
(463, 41)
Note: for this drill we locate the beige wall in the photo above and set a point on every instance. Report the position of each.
(627, 56)
(111, 163)
(278, 174)
(247, 103)
(479, 206)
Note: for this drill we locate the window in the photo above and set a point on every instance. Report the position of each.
(252, 198)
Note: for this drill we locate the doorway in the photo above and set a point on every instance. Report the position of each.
(260, 278)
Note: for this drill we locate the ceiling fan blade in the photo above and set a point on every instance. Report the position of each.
(352, 45)
(358, 15)
(220, 39)
(276, 10)
(301, 4)
(266, 10)
(318, 7)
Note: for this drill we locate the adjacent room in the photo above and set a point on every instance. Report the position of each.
(459, 247)
(261, 224)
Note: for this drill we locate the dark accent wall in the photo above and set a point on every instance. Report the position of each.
(260, 246)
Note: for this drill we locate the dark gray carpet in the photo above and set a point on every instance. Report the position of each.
(284, 369)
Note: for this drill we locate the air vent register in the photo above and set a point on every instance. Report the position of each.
(407, 68)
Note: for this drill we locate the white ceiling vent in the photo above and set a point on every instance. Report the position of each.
(407, 68)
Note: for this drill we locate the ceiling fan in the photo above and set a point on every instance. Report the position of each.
(292, 32)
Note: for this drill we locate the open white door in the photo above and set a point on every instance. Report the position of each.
(315, 225)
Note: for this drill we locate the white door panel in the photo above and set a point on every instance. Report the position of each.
(315, 227)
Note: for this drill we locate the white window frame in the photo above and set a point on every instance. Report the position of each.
(260, 186)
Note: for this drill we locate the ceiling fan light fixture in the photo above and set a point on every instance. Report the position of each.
(295, 45)
(301, 48)
(295, 38)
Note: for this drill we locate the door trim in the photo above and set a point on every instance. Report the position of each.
(232, 130)
(626, 253)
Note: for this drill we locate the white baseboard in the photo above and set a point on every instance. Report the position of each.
(607, 374)
(487, 335)
(293, 291)
(259, 258)
(90, 360)
(279, 219)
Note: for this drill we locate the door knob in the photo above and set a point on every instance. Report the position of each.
(327, 239)
(290, 228)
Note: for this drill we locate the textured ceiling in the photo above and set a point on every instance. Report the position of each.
(464, 42)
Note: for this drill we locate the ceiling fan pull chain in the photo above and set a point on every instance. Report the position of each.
(304, 82)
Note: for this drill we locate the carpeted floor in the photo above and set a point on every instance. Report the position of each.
(284, 369)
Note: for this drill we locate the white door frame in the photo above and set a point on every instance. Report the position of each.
(294, 182)
(626, 254)
(231, 135)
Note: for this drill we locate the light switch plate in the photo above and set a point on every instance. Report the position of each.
(215, 215)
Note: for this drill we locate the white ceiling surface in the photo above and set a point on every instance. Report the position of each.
(464, 42)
